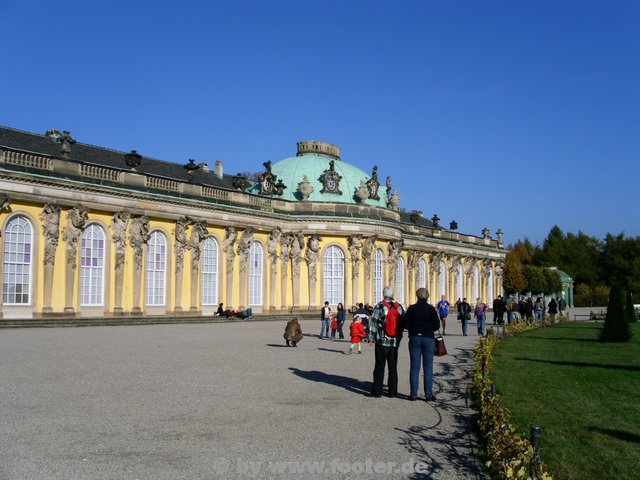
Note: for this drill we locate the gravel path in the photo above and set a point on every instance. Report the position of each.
(222, 401)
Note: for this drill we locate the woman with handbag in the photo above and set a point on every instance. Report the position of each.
(421, 320)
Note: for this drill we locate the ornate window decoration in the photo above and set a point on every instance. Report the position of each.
(331, 180)
(373, 185)
(269, 183)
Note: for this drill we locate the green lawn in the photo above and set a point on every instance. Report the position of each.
(584, 394)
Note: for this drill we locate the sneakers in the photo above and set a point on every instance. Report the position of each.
(359, 352)
(430, 398)
(349, 352)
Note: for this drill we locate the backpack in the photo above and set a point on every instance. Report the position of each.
(392, 324)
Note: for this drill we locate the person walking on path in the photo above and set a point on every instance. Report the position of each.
(356, 330)
(499, 307)
(553, 309)
(385, 330)
(443, 310)
(324, 317)
(341, 317)
(464, 314)
(480, 313)
(421, 320)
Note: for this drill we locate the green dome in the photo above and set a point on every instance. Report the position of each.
(291, 171)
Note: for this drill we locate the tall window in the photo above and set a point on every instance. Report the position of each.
(422, 273)
(490, 287)
(400, 280)
(442, 274)
(459, 285)
(255, 274)
(156, 269)
(92, 266)
(378, 275)
(210, 271)
(476, 289)
(18, 256)
(333, 279)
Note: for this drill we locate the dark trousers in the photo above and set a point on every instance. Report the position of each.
(388, 356)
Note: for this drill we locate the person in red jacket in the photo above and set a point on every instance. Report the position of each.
(356, 330)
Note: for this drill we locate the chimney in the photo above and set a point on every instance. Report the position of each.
(219, 169)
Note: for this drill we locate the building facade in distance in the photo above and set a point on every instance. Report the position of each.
(88, 231)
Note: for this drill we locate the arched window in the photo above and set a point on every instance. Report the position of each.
(255, 274)
(18, 258)
(400, 280)
(422, 273)
(209, 271)
(333, 278)
(476, 287)
(378, 275)
(459, 284)
(92, 266)
(490, 286)
(156, 278)
(442, 273)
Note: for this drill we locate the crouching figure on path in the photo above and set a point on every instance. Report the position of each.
(292, 332)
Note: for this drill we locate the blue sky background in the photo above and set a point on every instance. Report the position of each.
(506, 114)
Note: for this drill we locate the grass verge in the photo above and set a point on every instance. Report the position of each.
(584, 394)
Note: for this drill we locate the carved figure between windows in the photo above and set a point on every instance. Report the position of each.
(119, 223)
(198, 234)
(368, 246)
(272, 245)
(244, 244)
(51, 230)
(76, 221)
(138, 237)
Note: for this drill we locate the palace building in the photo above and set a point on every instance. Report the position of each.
(88, 231)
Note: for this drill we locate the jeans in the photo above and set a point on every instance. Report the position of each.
(340, 332)
(385, 356)
(324, 331)
(465, 324)
(538, 315)
(421, 348)
(481, 319)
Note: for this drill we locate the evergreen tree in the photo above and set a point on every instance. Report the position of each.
(629, 311)
(616, 328)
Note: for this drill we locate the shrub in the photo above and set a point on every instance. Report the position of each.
(616, 327)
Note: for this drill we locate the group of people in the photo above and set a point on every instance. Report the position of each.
(230, 312)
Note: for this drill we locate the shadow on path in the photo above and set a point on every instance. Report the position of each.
(348, 383)
(447, 444)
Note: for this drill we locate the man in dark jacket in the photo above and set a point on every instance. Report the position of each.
(464, 315)
(499, 307)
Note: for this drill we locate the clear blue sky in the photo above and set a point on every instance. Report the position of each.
(510, 114)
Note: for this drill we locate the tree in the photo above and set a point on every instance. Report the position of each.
(552, 281)
(616, 328)
(620, 261)
(523, 251)
(582, 297)
(535, 278)
(629, 310)
(553, 249)
(512, 279)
